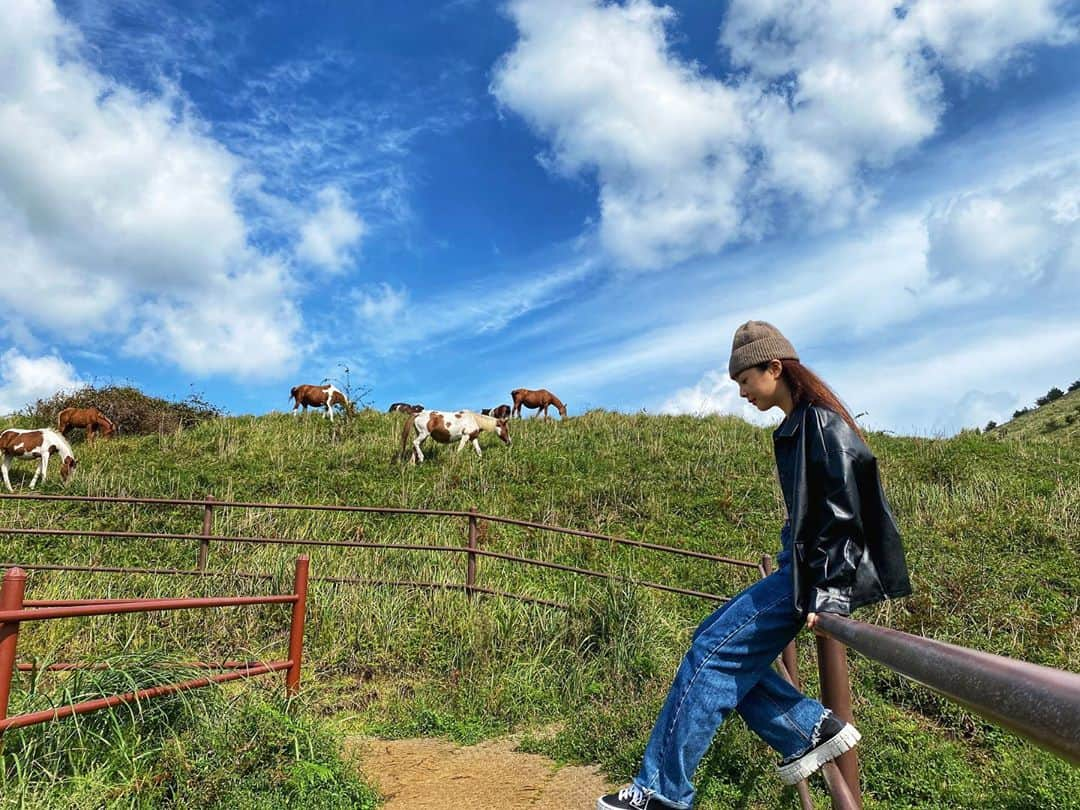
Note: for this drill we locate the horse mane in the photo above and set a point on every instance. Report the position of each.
(485, 422)
(57, 439)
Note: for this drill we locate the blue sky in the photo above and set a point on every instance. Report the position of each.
(456, 199)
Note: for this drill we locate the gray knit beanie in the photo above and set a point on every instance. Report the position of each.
(758, 342)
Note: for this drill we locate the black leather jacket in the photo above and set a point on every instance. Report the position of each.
(847, 550)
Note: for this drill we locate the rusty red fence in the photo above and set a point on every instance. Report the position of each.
(1038, 703)
(472, 549)
(16, 610)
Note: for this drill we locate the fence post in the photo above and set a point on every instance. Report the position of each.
(11, 598)
(207, 527)
(791, 673)
(470, 571)
(790, 655)
(296, 627)
(836, 694)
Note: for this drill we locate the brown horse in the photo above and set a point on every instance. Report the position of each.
(404, 407)
(501, 412)
(540, 398)
(89, 419)
(318, 396)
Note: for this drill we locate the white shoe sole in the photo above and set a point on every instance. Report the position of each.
(800, 769)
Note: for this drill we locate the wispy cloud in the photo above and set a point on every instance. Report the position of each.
(391, 321)
(687, 163)
(331, 232)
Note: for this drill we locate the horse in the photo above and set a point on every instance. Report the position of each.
(39, 444)
(540, 398)
(318, 396)
(86, 418)
(500, 412)
(446, 427)
(404, 407)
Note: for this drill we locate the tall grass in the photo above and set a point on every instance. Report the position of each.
(212, 747)
(990, 526)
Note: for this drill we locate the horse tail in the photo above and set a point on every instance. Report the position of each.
(405, 431)
(292, 391)
(62, 419)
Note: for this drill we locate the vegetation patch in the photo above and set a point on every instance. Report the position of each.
(132, 411)
(241, 747)
(991, 526)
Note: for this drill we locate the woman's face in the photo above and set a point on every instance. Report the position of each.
(760, 387)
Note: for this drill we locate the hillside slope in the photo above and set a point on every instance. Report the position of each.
(1058, 420)
(991, 527)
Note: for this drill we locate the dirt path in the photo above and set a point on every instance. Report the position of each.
(424, 774)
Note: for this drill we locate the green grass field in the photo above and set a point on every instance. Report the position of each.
(991, 526)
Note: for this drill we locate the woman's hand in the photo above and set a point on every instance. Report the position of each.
(811, 620)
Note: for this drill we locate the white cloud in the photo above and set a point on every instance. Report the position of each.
(383, 303)
(1003, 238)
(243, 324)
(716, 393)
(24, 380)
(116, 207)
(331, 232)
(686, 163)
(665, 141)
(982, 35)
(394, 320)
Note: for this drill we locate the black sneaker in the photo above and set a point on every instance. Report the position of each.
(831, 738)
(630, 797)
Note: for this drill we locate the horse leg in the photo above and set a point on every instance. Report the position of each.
(40, 470)
(476, 447)
(418, 454)
(4, 467)
(90, 434)
(329, 412)
(543, 410)
(463, 442)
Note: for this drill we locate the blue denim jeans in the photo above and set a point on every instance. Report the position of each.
(729, 666)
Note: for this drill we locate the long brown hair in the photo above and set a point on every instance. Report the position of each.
(806, 386)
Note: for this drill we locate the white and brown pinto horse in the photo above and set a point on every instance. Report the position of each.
(35, 444)
(318, 396)
(540, 398)
(450, 426)
(89, 419)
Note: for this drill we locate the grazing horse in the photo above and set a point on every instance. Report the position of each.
(318, 396)
(37, 444)
(404, 407)
(501, 412)
(88, 419)
(540, 398)
(446, 427)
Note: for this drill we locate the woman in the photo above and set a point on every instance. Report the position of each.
(841, 550)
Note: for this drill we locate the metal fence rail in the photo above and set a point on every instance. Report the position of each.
(472, 549)
(1038, 703)
(15, 611)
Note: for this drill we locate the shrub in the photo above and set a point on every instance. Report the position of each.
(990, 426)
(1075, 385)
(131, 410)
(1051, 395)
(1021, 412)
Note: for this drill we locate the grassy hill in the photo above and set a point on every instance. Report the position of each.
(991, 526)
(1058, 420)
